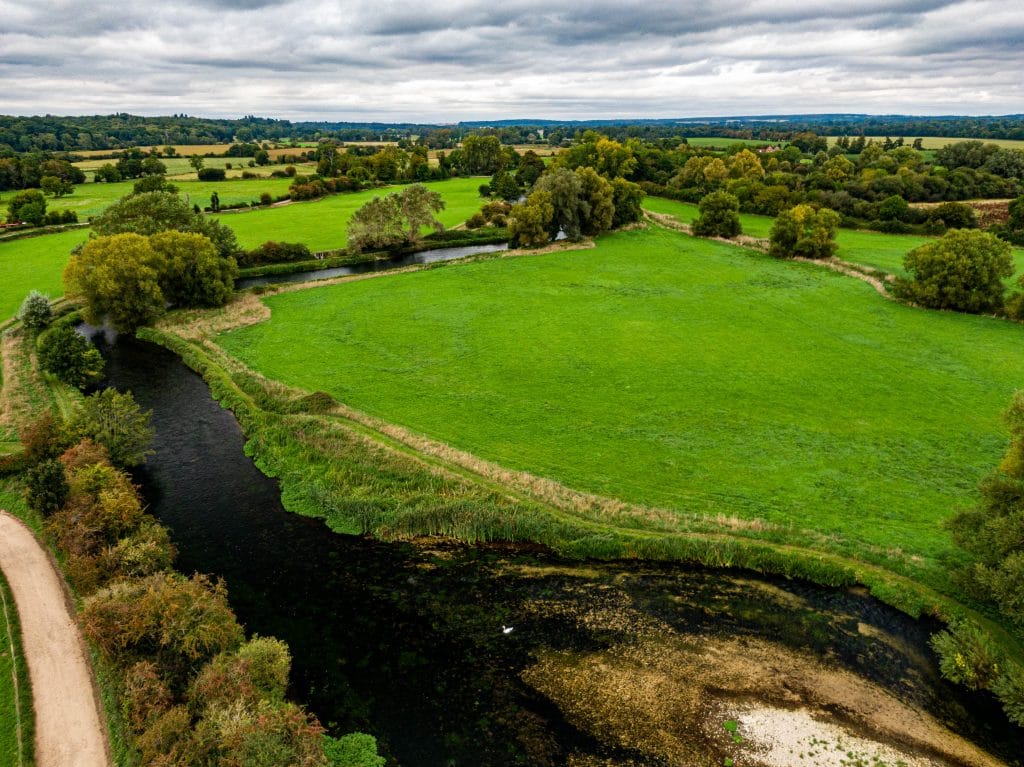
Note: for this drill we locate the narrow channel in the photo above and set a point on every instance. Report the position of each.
(407, 641)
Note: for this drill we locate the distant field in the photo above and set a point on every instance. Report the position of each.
(34, 263)
(322, 224)
(723, 141)
(178, 167)
(676, 372)
(881, 251)
(92, 199)
(937, 142)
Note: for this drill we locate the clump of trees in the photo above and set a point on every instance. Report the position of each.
(719, 216)
(129, 278)
(27, 207)
(574, 202)
(964, 270)
(803, 232)
(395, 219)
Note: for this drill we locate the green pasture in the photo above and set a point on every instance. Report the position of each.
(92, 199)
(34, 263)
(724, 142)
(321, 224)
(674, 372)
(874, 249)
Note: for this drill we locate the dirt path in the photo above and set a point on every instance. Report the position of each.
(69, 727)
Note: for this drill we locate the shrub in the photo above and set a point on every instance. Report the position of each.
(212, 174)
(967, 655)
(476, 221)
(28, 206)
(266, 199)
(47, 487)
(69, 356)
(257, 670)
(954, 215)
(964, 270)
(275, 253)
(36, 312)
(719, 216)
(146, 695)
(180, 623)
(43, 439)
(354, 750)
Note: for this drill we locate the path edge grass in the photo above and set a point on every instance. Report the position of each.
(24, 714)
(577, 537)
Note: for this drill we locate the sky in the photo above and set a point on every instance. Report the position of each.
(394, 60)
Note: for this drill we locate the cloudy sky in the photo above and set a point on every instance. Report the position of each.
(487, 59)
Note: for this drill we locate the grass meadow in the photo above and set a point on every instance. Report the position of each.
(34, 263)
(937, 142)
(875, 249)
(673, 372)
(322, 224)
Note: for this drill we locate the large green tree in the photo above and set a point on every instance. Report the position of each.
(396, 218)
(599, 195)
(803, 232)
(719, 216)
(529, 222)
(115, 420)
(964, 270)
(117, 278)
(192, 273)
(567, 200)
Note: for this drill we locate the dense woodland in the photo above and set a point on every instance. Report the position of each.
(120, 131)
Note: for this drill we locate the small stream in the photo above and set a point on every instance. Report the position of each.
(406, 640)
(423, 257)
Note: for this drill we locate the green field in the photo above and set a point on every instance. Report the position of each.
(673, 372)
(723, 142)
(92, 199)
(875, 249)
(321, 224)
(34, 263)
(15, 708)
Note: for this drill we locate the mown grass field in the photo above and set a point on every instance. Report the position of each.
(674, 372)
(723, 142)
(15, 705)
(34, 263)
(322, 224)
(881, 251)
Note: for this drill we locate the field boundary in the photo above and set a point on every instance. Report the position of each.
(17, 670)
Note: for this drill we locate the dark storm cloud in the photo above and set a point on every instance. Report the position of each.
(394, 59)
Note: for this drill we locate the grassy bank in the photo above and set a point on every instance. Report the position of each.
(16, 728)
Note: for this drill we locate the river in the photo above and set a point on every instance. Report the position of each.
(504, 654)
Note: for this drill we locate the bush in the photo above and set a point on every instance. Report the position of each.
(354, 750)
(964, 270)
(47, 487)
(719, 216)
(266, 199)
(212, 174)
(954, 215)
(967, 655)
(69, 356)
(35, 312)
(275, 253)
(476, 221)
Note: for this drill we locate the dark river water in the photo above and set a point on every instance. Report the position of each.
(423, 257)
(405, 640)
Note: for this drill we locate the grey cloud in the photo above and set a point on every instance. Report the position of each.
(469, 58)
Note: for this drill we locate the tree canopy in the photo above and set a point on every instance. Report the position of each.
(964, 270)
